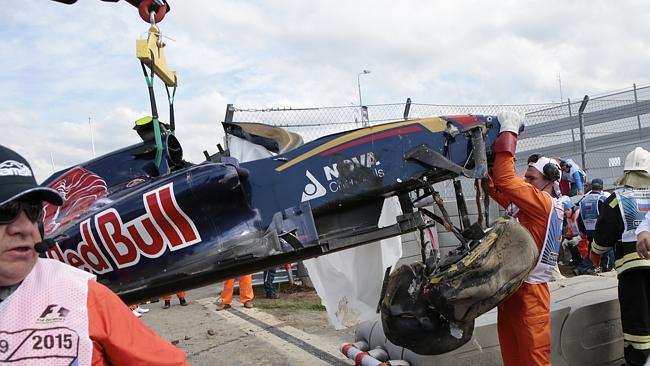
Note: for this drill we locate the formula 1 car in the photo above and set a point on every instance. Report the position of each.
(148, 223)
(149, 228)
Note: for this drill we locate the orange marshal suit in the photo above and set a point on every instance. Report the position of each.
(524, 322)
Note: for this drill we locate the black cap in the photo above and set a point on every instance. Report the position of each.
(17, 181)
(597, 182)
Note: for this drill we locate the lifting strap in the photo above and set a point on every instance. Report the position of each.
(151, 55)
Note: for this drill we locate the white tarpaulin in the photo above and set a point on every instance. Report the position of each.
(348, 282)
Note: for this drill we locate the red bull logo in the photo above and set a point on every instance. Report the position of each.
(164, 226)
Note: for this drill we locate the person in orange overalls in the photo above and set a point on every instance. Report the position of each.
(168, 300)
(245, 292)
(524, 322)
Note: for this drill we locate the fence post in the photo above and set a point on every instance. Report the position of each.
(581, 120)
(230, 114)
(407, 108)
(365, 120)
(636, 109)
(573, 134)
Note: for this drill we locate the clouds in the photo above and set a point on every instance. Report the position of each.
(62, 64)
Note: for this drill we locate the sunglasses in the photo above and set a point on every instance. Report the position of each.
(9, 212)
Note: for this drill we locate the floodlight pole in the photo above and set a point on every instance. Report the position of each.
(360, 102)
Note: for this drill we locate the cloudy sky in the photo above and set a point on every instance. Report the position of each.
(62, 64)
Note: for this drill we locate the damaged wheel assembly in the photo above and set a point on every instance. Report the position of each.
(431, 309)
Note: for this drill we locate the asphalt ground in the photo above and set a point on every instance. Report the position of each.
(292, 330)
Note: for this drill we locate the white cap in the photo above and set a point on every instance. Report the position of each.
(542, 161)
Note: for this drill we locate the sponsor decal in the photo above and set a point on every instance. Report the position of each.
(333, 179)
(80, 188)
(13, 167)
(164, 226)
(313, 189)
(135, 182)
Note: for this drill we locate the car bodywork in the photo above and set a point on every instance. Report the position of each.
(146, 230)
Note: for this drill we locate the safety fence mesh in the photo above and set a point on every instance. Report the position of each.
(612, 125)
(312, 123)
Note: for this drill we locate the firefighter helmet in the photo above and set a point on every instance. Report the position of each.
(638, 160)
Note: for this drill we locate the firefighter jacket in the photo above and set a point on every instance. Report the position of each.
(622, 213)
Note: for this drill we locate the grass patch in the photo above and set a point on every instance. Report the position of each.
(290, 306)
(291, 299)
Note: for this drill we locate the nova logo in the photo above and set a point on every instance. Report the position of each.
(336, 180)
(313, 189)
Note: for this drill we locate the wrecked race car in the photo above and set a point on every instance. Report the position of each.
(148, 223)
(147, 229)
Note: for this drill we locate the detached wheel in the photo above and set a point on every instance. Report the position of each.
(409, 321)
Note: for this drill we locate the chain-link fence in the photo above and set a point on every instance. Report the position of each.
(611, 125)
(312, 123)
(597, 136)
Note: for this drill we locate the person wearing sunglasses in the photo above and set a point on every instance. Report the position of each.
(523, 319)
(52, 313)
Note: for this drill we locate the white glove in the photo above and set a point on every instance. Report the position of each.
(510, 121)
